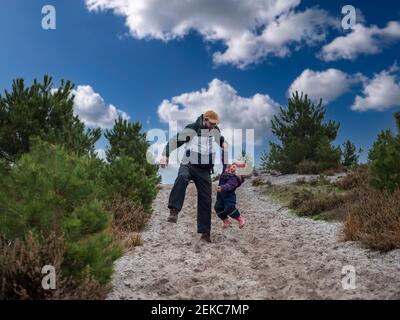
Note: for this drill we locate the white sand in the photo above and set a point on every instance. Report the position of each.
(275, 256)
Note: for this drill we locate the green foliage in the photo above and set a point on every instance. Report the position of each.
(3, 167)
(52, 186)
(129, 173)
(303, 136)
(40, 111)
(125, 177)
(350, 155)
(126, 138)
(264, 159)
(328, 156)
(384, 167)
(85, 220)
(50, 190)
(95, 254)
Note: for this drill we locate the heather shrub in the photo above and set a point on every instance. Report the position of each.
(374, 219)
(355, 179)
(308, 167)
(21, 263)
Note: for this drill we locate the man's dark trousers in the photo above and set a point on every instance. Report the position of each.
(202, 179)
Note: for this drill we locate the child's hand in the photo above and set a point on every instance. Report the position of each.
(219, 189)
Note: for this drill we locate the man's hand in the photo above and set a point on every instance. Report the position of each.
(219, 189)
(164, 162)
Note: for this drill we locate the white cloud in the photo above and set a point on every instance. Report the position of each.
(381, 92)
(328, 85)
(236, 112)
(362, 40)
(251, 30)
(101, 154)
(92, 110)
(276, 39)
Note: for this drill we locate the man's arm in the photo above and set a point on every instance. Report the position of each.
(177, 141)
(224, 146)
(222, 142)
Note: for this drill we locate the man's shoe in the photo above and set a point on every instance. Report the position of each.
(173, 215)
(206, 237)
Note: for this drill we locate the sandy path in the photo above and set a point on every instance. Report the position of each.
(276, 256)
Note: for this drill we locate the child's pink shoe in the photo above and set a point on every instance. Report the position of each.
(226, 223)
(241, 221)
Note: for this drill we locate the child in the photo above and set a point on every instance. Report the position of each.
(225, 205)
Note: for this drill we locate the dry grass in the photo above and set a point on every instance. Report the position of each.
(317, 198)
(300, 181)
(299, 198)
(374, 219)
(132, 240)
(128, 219)
(86, 289)
(258, 182)
(308, 167)
(369, 216)
(255, 173)
(321, 180)
(331, 172)
(128, 216)
(21, 263)
(355, 179)
(316, 205)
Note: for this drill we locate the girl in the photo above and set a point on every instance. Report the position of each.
(225, 205)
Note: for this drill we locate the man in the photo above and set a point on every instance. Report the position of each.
(197, 165)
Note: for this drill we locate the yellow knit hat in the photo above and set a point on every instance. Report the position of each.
(211, 116)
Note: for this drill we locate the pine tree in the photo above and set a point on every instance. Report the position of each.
(384, 157)
(126, 138)
(43, 112)
(264, 160)
(50, 190)
(129, 172)
(303, 136)
(350, 155)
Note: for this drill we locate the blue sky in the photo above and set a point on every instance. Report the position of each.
(132, 68)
